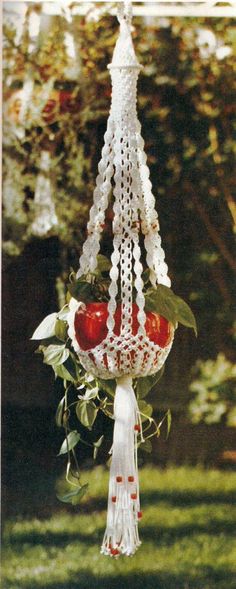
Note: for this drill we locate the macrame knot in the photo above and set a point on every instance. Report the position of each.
(124, 12)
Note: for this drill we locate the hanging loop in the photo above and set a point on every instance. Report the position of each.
(125, 12)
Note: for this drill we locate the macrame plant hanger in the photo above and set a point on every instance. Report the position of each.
(127, 355)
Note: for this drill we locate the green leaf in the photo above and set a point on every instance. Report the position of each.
(100, 289)
(86, 413)
(70, 370)
(184, 314)
(145, 409)
(61, 371)
(46, 328)
(108, 386)
(146, 446)
(103, 263)
(89, 394)
(61, 330)
(69, 442)
(162, 300)
(73, 474)
(60, 413)
(48, 342)
(83, 490)
(96, 446)
(81, 291)
(167, 417)
(56, 354)
(146, 383)
(63, 313)
(74, 497)
(146, 276)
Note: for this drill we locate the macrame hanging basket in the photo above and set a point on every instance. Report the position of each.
(45, 218)
(123, 173)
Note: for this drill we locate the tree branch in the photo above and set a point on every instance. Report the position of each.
(213, 233)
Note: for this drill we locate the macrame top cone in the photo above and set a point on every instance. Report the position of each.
(130, 353)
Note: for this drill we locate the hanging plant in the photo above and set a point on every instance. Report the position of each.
(85, 395)
(119, 324)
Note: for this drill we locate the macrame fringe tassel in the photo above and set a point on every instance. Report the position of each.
(121, 535)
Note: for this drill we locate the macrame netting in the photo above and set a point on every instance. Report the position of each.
(124, 175)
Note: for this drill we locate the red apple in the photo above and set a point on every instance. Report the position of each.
(91, 325)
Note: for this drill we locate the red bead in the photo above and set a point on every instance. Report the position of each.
(133, 496)
(137, 427)
(113, 499)
(140, 514)
(115, 551)
(131, 479)
(119, 479)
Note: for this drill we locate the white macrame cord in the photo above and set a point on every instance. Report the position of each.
(128, 354)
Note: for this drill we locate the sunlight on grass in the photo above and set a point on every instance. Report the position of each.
(187, 531)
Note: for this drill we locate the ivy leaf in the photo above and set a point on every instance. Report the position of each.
(61, 371)
(146, 383)
(89, 394)
(96, 446)
(146, 409)
(60, 413)
(82, 491)
(162, 300)
(100, 289)
(86, 413)
(108, 386)
(69, 442)
(46, 328)
(103, 263)
(146, 276)
(74, 475)
(81, 291)
(63, 313)
(69, 370)
(159, 300)
(61, 330)
(74, 497)
(184, 314)
(55, 354)
(167, 417)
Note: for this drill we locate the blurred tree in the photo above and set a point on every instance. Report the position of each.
(186, 106)
(214, 392)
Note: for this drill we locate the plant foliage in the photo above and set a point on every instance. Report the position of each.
(214, 392)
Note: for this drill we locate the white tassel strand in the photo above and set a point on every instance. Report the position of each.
(121, 535)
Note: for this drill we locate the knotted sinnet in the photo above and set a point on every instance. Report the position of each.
(124, 175)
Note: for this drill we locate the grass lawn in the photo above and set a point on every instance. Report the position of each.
(187, 530)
